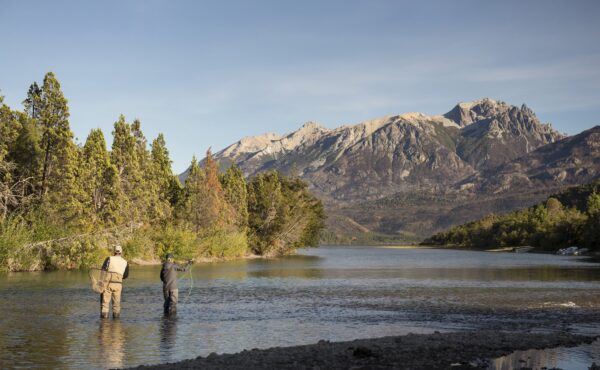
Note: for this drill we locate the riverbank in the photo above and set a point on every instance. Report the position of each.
(462, 350)
(155, 262)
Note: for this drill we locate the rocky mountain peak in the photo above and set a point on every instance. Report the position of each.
(465, 113)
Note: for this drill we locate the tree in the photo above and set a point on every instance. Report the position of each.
(100, 183)
(27, 153)
(283, 215)
(236, 195)
(591, 228)
(191, 205)
(219, 212)
(33, 102)
(167, 185)
(60, 188)
(124, 155)
(9, 129)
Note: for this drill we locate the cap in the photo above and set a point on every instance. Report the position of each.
(169, 255)
(118, 249)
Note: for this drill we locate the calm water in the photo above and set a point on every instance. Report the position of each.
(51, 319)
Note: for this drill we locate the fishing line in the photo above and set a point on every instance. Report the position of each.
(191, 277)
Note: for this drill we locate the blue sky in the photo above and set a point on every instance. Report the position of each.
(208, 73)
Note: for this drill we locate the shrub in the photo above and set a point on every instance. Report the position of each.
(181, 242)
(225, 245)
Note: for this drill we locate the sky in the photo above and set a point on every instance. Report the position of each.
(207, 73)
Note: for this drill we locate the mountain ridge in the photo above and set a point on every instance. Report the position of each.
(455, 154)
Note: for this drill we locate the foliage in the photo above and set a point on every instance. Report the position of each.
(549, 225)
(63, 205)
(283, 215)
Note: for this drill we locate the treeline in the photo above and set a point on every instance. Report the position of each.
(62, 203)
(569, 218)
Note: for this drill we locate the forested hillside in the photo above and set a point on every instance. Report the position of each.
(62, 203)
(571, 217)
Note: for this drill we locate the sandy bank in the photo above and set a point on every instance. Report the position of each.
(462, 350)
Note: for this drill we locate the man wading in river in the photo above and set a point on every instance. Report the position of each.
(118, 269)
(168, 275)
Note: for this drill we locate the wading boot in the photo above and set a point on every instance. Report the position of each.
(104, 315)
(116, 315)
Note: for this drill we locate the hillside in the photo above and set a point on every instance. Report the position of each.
(571, 217)
(408, 175)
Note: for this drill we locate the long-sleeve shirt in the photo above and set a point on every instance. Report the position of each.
(168, 274)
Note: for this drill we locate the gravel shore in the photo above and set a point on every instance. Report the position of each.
(461, 350)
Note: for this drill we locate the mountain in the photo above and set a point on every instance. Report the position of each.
(413, 174)
(570, 161)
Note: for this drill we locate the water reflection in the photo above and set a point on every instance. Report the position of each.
(575, 358)
(168, 338)
(111, 337)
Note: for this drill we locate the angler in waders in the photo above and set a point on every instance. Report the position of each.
(118, 269)
(168, 275)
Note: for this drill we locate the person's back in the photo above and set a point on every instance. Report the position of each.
(118, 268)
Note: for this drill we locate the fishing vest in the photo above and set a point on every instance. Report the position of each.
(117, 265)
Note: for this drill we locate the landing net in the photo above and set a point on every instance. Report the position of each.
(99, 279)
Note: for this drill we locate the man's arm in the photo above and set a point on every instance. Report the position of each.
(106, 264)
(184, 267)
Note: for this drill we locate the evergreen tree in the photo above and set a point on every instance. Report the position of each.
(283, 215)
(124, 156)
(192, 203)
(591, 228)
(163, 178)
(33, 102)
(100, 183)
(27, 152)
(9, 129)
(60, 188)
(218, 212)
(236, 195)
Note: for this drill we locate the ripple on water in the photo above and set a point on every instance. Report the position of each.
(50, 320)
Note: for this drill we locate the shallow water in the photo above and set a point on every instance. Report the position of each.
(575, 358)
(51, 319)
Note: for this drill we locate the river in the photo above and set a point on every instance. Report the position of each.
(51, 319)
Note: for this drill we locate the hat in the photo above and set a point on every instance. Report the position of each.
(118, 249)
(169, 255)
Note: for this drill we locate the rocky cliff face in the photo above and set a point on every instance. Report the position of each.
(570, 161)
(483, 151)
(376, 158)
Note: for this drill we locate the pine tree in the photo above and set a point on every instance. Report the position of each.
(192, 202)
(9, 129)
(33, 102)
(26, 153)
(591, 228)
(124, 156)
(236, 195)
(163, 179)
(60, 187)
(219, 212)
(99, 183)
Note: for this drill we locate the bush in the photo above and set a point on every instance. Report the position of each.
(139, 244)
(181, 242)
(14, 235)
(225, 245)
